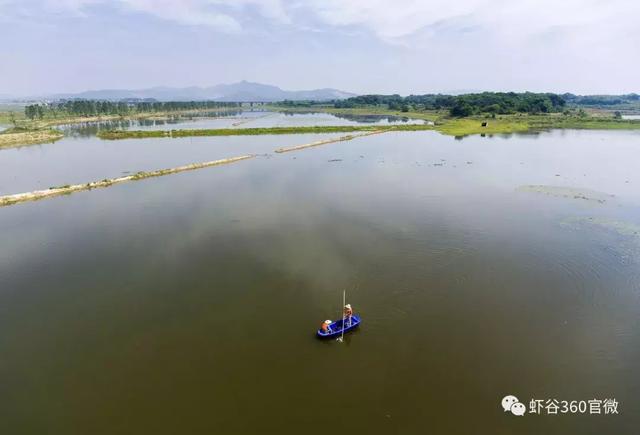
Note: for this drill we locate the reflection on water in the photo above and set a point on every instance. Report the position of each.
(88, 129)
(188, 303)
(233, 119)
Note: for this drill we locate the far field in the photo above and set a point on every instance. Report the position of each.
(23, 131)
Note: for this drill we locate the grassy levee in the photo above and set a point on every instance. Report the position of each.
(68, 189)
(138, 134)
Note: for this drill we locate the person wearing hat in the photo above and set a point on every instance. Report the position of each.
(326, 326)
(348, 312)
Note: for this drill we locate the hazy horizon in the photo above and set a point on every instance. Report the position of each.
(412, 47)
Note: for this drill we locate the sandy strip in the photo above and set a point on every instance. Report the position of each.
(326, 141)
(17, 139)
(65, 190)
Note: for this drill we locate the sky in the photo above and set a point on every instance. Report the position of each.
(361, 46)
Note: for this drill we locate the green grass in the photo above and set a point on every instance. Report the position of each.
(129, 134)
(590, 123)
(60, 118)
(502, 124)
(449, 126)
(467, 126)
(5, 118)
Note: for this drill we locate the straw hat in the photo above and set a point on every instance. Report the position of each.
(348, 306)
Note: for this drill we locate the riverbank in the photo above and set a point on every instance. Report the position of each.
(38, 132)
(501, 124)
(69, 189)
(63, 120)
(14, 138)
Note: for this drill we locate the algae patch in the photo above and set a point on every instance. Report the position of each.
(617, 237)
(568, 192)
(621, 228)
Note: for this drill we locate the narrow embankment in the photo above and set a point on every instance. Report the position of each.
(68, 189)
(139, 134)
(65, 190)
(327, 141)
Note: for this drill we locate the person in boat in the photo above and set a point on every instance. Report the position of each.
(348, 313)
(326, 326)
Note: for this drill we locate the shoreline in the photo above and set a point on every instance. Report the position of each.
(52, 122)
(13, 139)
(37, 132)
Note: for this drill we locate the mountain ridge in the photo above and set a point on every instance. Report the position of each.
(242, 91)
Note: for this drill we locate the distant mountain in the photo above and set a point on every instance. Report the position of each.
(240, 92)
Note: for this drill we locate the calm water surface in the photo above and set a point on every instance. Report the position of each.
(238, 119)
(188, 303)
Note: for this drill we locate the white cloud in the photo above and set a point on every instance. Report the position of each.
(188, 12)
(221, 15)
(506, 19)
(400, 46)
(390, 22)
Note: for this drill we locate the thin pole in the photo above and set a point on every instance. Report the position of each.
(344, 301)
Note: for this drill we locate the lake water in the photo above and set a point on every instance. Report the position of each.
(188, 303)
(243, 119)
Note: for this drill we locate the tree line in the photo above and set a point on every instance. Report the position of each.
(603, 101)
(95, 107)
(464, 105)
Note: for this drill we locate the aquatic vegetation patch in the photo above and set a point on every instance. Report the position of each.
(618, 227)
(568, 192)
(621, 238)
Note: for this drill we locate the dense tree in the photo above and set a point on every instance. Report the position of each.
(94, 108)
(464, 105)
(461, 108)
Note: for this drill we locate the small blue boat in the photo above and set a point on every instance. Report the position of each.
(335, 328)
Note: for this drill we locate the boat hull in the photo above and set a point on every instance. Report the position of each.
(336, 328)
